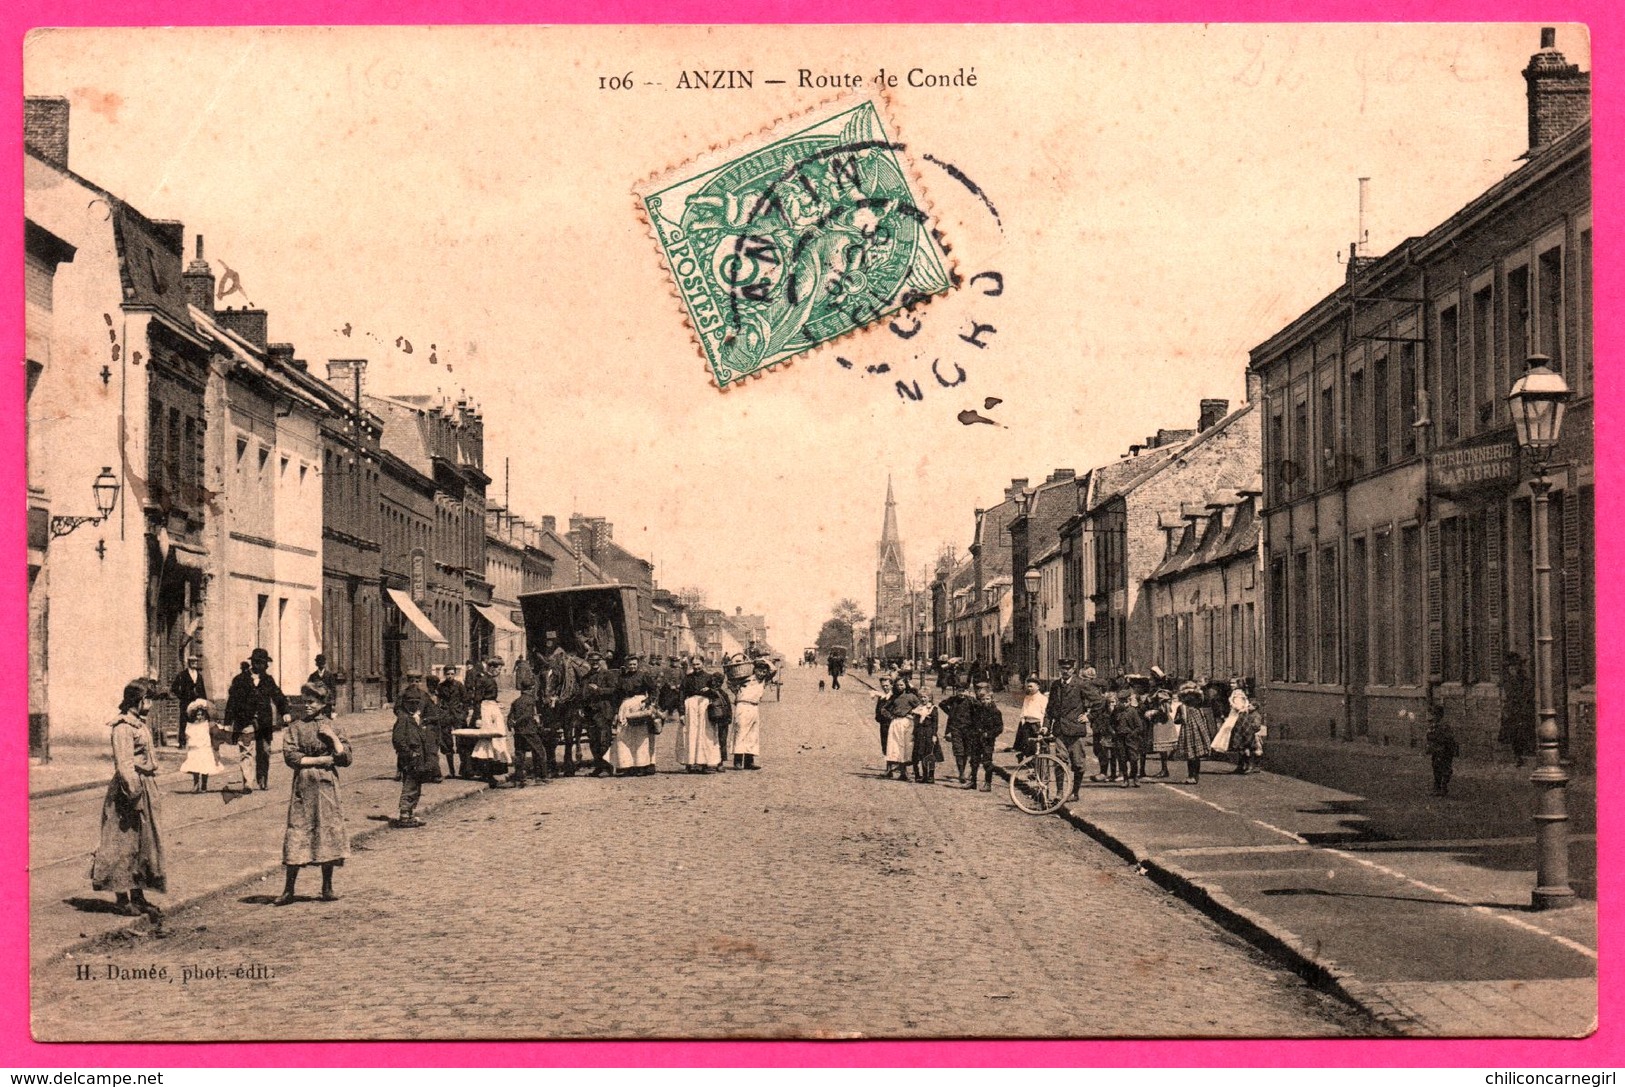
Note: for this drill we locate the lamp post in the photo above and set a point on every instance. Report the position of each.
(1537, 400)
(1033, 581)
(106, 489)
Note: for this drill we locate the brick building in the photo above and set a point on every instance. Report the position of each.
(1034, 529)
(1204, 595)
(1396, 503)
(991, 577)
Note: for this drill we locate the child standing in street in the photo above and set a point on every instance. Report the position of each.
(1441, 749)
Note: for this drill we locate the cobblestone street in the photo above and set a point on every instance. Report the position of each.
(811, 899)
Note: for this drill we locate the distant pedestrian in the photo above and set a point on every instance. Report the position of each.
(837, 668)
(1128, 736)
(314, 749)
(327, 679)
(1518, 710)
(1442, 749)
(256, 707)
(524, 675)
(1242, 726)
(926, 744)
(129, 859)
(200, 759)
(986, 724)
(1193, 723)
(417, 752)
(188, 687)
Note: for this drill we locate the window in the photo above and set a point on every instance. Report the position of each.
(242, 449)
(1330, 620)
(1517, 315)
(172, 466)
(1278, 618)
(1328, 425)
(1300, 440)
(1382, 612)
(1411, 632)
(1585, 313)
(1357, 436)
(1382, 450)
(1492, 385)
(1277, 478)
(1407, 400)
(1359, 614)
(1549, 314)
(1449, 406)
(1464, 587)
(1451, 601)
(1587, 578)
(1248, 647)
(1300, 612)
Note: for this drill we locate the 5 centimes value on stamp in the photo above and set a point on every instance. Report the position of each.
(813, 231)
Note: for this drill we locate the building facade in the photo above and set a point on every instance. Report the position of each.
(1204, 596)
(1034, 530)
(1396, 501)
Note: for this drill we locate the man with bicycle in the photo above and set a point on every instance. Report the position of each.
(1067, 719)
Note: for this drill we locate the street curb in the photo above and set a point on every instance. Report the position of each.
(1262, 932)
(101, 782)
(236, 882)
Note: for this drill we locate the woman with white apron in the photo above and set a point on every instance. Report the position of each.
(746, 732)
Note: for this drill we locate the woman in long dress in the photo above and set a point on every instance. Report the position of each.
(492, 754)
(129, 859)
(200, 755)
(314, 749)
(900, 729)
(697, 747)
(1195, 730)
(1164, 728)
(746, 731)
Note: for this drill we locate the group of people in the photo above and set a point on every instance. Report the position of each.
(909, 725)
(1124, 722)
(565, 700)
(129, 857)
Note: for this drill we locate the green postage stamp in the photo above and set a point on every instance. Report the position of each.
(813, 230)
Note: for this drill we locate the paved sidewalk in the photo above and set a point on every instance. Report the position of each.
(1430, 932)
(210, 846)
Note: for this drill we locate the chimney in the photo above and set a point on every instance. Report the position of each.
(1255, 386)
(550, 523)
(348, 376)
(1559, 93)
(45, 129)
(1015, 490)
(281, 354)
(198, 282)
(1212, 412)
(1061, 475)
(250, 324)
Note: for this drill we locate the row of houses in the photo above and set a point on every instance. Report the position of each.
(195, 489)
(1356, 536)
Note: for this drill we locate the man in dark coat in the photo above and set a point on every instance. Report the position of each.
(188, 687)
(959, 709)
(560, 702)
(416, 755)
(327, 679)
(982, 733)
(454, 714)
(525, 723)
(1518, 710)
(837, 666)
(598, 699)
(1066, 716)
(255, 703)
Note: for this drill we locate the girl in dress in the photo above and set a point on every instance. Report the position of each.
(315, 749)
(129, 860)
(201, 760)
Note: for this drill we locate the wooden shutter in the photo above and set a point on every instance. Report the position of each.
(1494, 590)
(1435, 606)
(1573, 635)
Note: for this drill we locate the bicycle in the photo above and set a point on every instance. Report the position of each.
(1041, 782)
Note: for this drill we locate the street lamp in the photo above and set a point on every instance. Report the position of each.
(106, 490)
(1033, 580)
(1537, 400)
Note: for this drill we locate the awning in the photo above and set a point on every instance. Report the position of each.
(496, 618)
(414, 613)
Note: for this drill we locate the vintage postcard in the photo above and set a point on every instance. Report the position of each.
(1166, 450)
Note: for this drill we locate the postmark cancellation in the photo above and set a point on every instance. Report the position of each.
(815, 228)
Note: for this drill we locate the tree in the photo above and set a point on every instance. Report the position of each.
(848, 612)
(836, 634)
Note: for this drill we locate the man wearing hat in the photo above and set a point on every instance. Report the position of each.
(452, 697)
(530, 741)
(327, 679)
(417, 753)
(599, 704)
(1067, 716)
(255, 704)
(187, 687)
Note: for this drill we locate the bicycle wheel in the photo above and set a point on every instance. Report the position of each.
(1041, 784)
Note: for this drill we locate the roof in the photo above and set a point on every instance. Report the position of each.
(1121, 476)
(1211, 543)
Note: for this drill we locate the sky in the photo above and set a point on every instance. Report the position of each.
(1158, 200)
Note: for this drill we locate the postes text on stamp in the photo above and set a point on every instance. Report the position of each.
(814, 231)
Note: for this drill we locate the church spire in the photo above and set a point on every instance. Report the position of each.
(888, 532)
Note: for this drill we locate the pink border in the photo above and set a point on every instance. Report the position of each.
(18, 1050)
